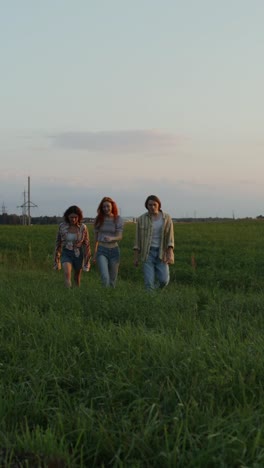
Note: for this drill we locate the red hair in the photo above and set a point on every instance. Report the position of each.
(100, 214)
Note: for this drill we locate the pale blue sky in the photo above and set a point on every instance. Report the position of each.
(127, 99)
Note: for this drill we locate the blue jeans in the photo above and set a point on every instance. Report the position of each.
(154, 268)
(108, 260)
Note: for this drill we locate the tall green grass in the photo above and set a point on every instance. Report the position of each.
(94, 377)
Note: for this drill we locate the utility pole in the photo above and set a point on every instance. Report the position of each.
(29, 217)
(26, 206)
(4, 211)
(24, 209)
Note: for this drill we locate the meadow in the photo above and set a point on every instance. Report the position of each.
(92, 377)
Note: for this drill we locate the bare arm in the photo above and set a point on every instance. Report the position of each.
(95, 246)
(57, 253)
(115, 238)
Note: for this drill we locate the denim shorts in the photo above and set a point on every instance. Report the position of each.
(68, 256)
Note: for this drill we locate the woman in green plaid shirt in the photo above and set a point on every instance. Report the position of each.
(154, 244)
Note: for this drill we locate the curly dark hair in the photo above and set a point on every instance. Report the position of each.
(73, 209)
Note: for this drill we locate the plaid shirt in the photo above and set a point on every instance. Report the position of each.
(144, 230)
(83, 241)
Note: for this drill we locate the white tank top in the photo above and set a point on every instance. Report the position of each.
(71, 236)
(156, 231)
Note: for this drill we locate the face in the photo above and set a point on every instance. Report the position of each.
(107, 208)
(153, 207)
(73, 218)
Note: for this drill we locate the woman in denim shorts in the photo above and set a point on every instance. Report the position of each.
(72, 249)
(108, 230)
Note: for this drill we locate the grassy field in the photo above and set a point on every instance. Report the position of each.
(122, 378)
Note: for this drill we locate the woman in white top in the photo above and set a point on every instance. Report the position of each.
(72, 248)
(154, 244)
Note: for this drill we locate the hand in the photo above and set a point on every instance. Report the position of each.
(108, 238)
(86, 267)
(169, 256)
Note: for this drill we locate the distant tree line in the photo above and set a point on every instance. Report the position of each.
(16, 219)
(9, 219)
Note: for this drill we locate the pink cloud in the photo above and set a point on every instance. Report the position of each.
(118, 141)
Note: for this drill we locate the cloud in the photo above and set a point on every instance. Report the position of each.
(129, 141)
(247, 182)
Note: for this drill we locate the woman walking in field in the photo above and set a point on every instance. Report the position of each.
(154, 244)
(72, 249)
(108, 230)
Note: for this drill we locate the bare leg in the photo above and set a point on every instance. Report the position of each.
(67, 268)
(77, 278)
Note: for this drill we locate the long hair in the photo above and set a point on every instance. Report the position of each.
(73, 209)
(100, 213)
(155, 199)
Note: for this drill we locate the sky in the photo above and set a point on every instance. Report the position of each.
(127, 98)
